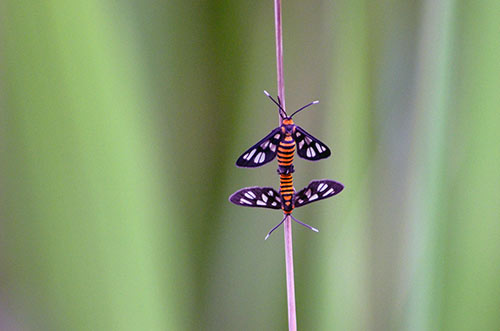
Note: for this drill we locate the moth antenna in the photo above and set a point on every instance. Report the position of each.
(277, 226)
(309, 104)
(304, 224)
(277, 104)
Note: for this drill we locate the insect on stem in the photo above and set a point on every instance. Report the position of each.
(290, 282)
(282, 142)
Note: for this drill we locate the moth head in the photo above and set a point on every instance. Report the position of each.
(288, 125)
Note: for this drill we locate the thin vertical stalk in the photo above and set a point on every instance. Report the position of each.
(290, 283)
(279, 53)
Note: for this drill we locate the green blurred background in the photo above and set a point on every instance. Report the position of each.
(120, 123)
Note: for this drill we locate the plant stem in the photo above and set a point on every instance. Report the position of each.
(279, 53)
(290, 283)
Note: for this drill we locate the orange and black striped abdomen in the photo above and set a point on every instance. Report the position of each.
(286, 150)
(286, 192)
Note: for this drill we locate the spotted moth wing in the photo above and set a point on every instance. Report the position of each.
(317, 190)
(262, 152)
(264, 197)
(309, 147)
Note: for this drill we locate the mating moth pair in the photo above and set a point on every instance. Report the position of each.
(282, 142)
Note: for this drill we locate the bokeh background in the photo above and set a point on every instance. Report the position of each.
(121, 121)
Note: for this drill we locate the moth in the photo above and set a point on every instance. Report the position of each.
(287, 199)
(282, 141)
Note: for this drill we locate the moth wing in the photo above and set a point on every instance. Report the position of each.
(262, 152)
(308, 147)
(317, 190)
(264, 197)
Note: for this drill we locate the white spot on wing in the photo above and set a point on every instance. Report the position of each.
(252, 152)
(250, 195)
(330, 191)
(314, 197)
(264, 198)
(298, 134)
(301, 143)
(311, 152)
(259, 158)
(261, 203)
(308, 140)
(264, 144)
(272, 147)
(277, 136)
(300, 200)
(245, 201)
(322, 187)
(320, 148)
(308, 193)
